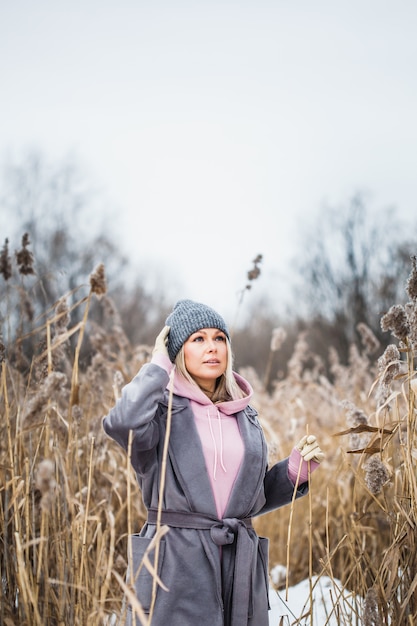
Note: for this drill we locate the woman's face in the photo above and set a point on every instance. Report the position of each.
(205, 354)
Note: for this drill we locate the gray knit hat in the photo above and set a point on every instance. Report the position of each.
(186, 318)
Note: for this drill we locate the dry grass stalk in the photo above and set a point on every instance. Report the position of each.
(252, 274)
(278, 337)
(162, 488)
(310, 541)
(297, 482)
(63, 558)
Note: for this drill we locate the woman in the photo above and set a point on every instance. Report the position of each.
(212, 564)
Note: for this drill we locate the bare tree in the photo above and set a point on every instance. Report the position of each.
(55, 205)
(49, 212)
(352, 265)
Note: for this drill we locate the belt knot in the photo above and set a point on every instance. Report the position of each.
(225, 531)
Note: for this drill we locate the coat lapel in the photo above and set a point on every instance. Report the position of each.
(187, 457)
(252, 471)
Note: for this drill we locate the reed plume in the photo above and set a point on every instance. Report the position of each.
(5, 261)
(24, 257)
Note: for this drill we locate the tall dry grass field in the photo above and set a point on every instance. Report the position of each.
(69, 498)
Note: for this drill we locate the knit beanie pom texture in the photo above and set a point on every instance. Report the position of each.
(187, 318)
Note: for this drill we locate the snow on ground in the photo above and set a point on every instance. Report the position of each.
(332, 605)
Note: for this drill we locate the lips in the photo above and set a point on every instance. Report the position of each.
(212, 362)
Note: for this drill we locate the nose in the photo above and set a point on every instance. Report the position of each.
(211, 345)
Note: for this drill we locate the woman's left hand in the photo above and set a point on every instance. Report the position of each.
(310, 449)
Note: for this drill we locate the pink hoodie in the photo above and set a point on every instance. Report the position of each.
(219, 432)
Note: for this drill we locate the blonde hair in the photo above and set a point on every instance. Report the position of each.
(226, 385)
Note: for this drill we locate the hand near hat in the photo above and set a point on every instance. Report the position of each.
(310, 449)
(161, 342)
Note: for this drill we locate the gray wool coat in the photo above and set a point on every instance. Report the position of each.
(215, 571)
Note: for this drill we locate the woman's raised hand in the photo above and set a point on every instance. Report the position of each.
(161, 341)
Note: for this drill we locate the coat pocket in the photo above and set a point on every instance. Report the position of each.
(263, 551)
(140, 576)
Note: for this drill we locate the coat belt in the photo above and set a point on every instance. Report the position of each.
(223, 532)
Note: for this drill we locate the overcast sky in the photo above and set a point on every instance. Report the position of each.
(216, 128)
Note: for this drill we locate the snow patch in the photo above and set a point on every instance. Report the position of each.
(332, 604)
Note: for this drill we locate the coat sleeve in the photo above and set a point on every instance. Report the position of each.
(278, 488)
(136, 408)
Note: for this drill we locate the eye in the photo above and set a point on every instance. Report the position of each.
(198, 338)
(220, 338)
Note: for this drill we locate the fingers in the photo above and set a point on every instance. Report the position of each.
(300, 445)
(163, 335)
(306, 440)
(310, 449)
(161, 341)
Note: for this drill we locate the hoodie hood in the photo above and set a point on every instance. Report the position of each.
(182, 387)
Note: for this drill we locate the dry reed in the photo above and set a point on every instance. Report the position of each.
(69, 499)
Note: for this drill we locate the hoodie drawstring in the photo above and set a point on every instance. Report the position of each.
(219, 421)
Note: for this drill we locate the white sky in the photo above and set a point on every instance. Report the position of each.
(217, 127)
